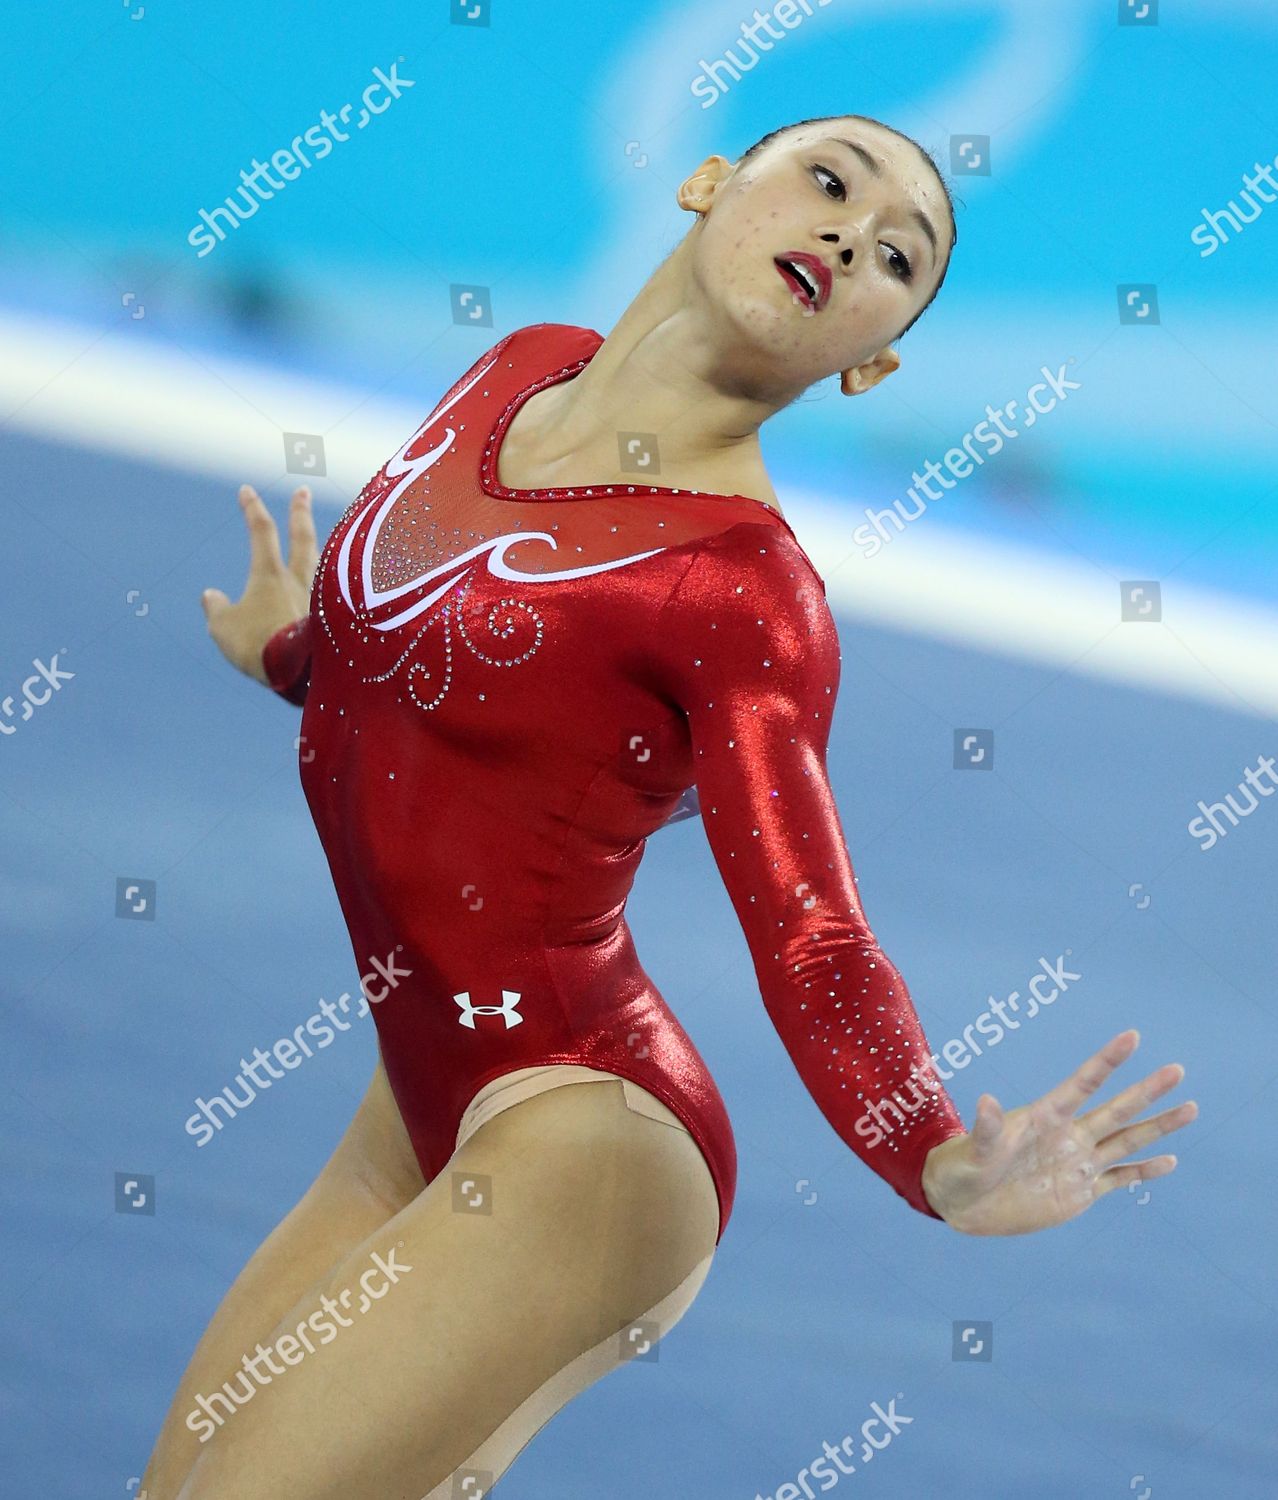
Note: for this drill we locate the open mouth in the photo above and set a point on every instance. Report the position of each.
(808, 279)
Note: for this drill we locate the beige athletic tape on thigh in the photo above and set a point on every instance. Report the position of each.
(496, 1453)
(644, 1103)
(523, 1083)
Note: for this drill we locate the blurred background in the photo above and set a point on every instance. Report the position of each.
(1098, 604)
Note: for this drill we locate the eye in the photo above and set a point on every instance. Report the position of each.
(900, 263)
(832, 186)
(820, 172)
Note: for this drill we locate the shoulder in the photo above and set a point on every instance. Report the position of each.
(749, 564)
(753, 583)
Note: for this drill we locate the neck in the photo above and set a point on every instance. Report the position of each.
(667, 369)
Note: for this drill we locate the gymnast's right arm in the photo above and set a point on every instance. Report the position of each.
(265, 633)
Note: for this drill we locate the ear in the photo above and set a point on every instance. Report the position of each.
(862, 378)
(696, 192)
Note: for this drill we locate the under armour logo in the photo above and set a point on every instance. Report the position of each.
(509, 1000)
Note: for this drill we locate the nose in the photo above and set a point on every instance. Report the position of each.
(848, 252)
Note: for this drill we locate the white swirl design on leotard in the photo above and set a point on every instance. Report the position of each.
(367, 523)
(386, 609)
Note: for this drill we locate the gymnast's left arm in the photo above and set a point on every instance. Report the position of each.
(751, 655)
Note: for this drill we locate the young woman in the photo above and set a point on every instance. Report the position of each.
(516, 656)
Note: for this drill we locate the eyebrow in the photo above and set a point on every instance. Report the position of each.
(876, 170)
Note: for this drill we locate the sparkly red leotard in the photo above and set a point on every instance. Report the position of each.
(506, 692)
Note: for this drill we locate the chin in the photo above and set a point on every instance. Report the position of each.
(771, 328)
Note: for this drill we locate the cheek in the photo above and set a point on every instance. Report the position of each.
(733, 252)
(878, 308)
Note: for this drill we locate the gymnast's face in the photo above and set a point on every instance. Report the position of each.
(820, 249)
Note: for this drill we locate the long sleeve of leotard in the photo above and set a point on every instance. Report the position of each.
(751, 655)
(286, 660)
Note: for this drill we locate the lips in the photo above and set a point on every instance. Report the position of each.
(807, 276)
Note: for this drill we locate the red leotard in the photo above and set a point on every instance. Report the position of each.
(506, 692)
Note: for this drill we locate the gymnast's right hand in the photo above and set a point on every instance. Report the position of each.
(276, 593)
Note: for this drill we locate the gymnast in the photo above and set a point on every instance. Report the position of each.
(566, 612)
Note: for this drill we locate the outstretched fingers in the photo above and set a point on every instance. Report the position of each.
(1063, 1102)
(1112, 1148)
(1102, 1121)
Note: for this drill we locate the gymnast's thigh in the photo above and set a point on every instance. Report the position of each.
(557, 1225)
(369, 1177)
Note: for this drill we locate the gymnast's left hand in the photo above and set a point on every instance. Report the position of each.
(1043, 1164)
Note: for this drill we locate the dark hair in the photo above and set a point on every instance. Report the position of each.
(772, 135)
